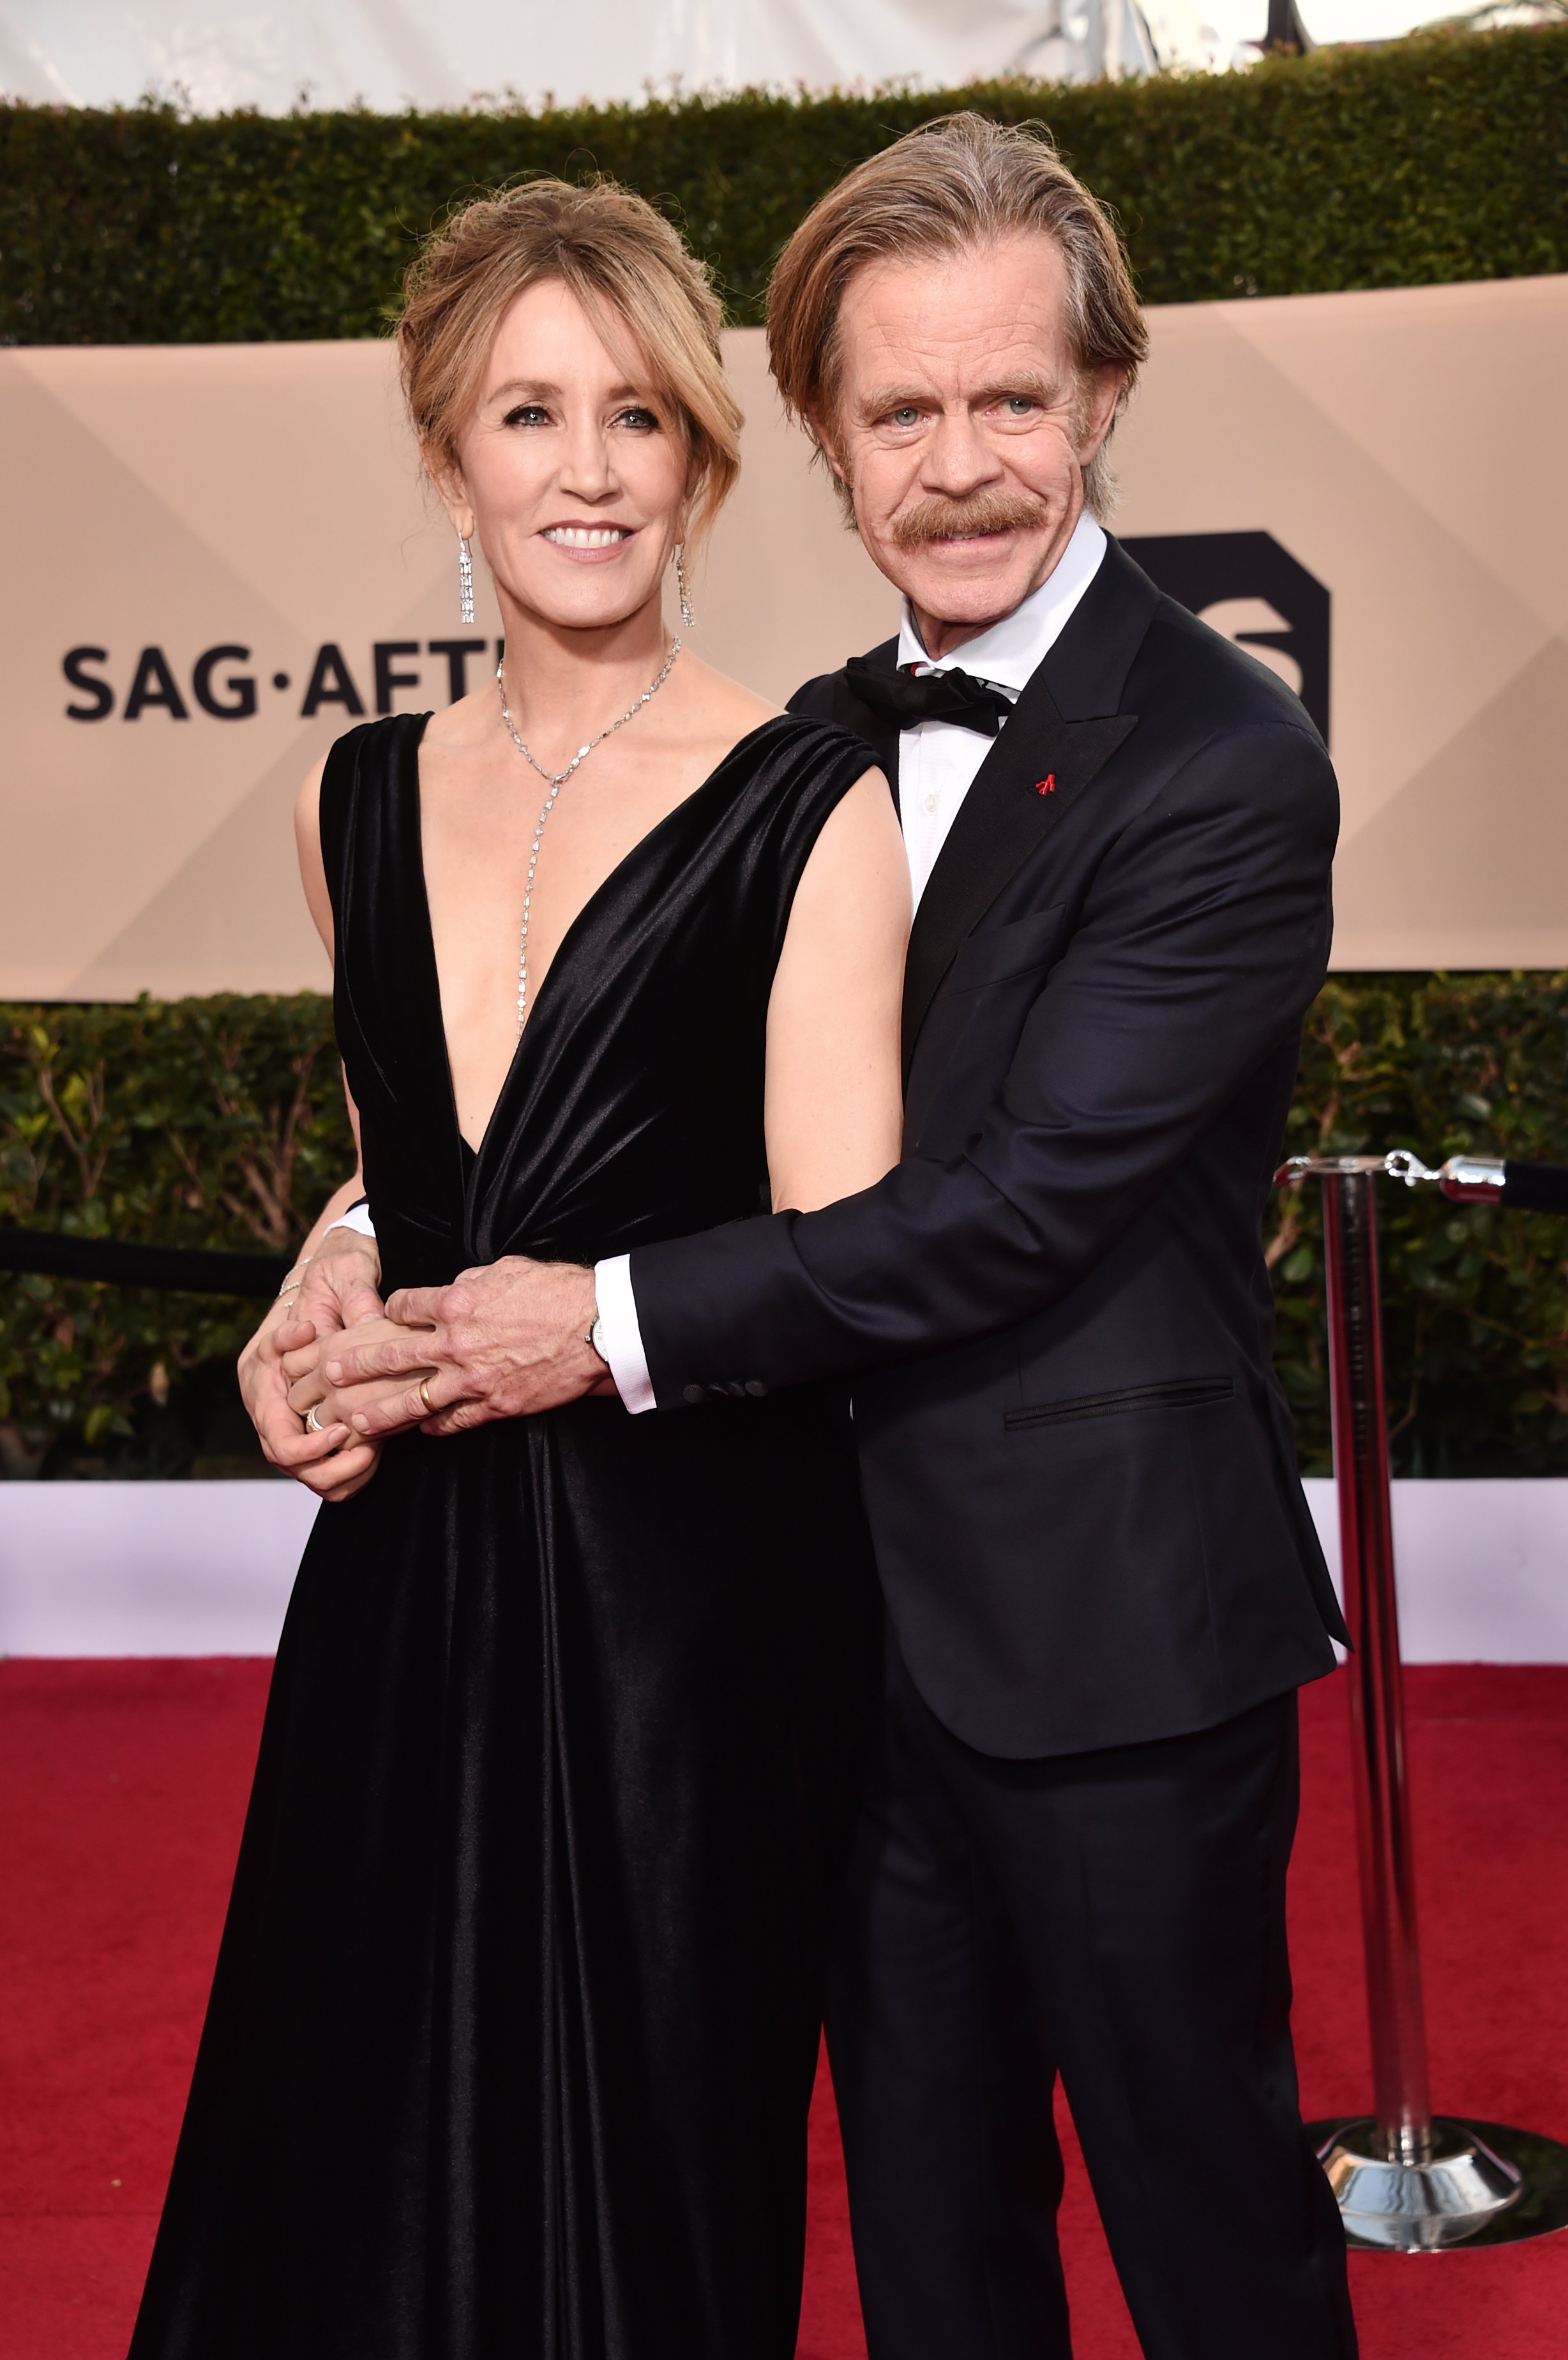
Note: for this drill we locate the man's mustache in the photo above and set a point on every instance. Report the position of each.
(945, 520)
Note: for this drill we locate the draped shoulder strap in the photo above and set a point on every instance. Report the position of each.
(833, 698)
(335, 810)
(386, 1000)
(796, 771)
(369, 796)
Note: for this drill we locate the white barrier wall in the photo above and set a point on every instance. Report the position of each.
(1482, 1568)
(206, 1569)
(147, 1568)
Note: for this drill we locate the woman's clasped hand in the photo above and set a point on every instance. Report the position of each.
(310, 1390)
(332, 1287)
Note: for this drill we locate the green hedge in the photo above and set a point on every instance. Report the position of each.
(1440, 158)
(220, 1122)
(1475, 1299)
(201, 1122)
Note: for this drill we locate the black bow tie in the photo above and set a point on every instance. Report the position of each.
(908, 698)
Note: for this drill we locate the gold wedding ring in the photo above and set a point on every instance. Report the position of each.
(313, 1418)
(425, 1396)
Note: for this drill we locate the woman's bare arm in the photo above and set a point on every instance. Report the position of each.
(308, 845)
(339, 1276)
(833, 1110)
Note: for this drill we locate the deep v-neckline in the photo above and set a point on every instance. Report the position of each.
(569, 941)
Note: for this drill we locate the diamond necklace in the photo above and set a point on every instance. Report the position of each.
(557, 780)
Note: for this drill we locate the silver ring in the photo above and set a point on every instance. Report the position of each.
(313, 1418)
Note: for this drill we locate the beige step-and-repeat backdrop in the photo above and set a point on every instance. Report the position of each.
(215, 558)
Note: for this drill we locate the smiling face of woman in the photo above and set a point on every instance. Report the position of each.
(574, 468)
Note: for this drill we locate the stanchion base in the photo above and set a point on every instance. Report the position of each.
(1482, 2185)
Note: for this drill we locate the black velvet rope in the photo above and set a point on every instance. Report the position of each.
(1535, 1187)
(179, 1269)
(185, 1270)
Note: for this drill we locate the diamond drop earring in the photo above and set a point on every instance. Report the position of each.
(464, 581)
(687, 613)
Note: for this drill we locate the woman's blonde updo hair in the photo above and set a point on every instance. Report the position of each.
(625, 265)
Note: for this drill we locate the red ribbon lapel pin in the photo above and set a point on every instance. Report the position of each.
(1046, 786)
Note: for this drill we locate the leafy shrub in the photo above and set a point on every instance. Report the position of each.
(1436, 158)
(1474, 1298)
(220, 1122)
(201, 1122)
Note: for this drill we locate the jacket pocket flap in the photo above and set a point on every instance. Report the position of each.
(998, 953)
(1177, 1393)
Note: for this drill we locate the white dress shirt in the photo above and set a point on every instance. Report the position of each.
(938, 760)
(937, 765)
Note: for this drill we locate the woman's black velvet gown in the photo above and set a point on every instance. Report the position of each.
(512, 2037)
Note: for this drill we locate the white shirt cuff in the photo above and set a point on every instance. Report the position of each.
(356, 1218)
(620, 1337)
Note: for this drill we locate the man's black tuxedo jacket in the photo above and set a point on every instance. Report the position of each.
(1078, 1465)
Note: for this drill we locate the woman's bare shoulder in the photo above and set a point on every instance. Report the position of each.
(308, 843)
(465, 727)
(729, 707)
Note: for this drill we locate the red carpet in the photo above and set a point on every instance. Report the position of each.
(120, 1791)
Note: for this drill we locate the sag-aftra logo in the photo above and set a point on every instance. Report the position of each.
(1246, 584)
(230, 685)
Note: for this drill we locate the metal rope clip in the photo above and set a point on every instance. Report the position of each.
(1463, 1179)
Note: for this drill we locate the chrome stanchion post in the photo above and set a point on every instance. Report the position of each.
(1406, 2181)
(1377, 1693)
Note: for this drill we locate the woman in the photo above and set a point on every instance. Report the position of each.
(512, 2037)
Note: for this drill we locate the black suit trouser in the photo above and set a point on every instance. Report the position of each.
(1117, 1917)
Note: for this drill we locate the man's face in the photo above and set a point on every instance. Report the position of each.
(963, 428)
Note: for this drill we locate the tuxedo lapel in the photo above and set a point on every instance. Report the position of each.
(1065, 729)
(1038, 768)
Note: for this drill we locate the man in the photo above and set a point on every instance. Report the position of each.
(1103, 1586)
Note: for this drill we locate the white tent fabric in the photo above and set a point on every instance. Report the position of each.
(274, 54)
